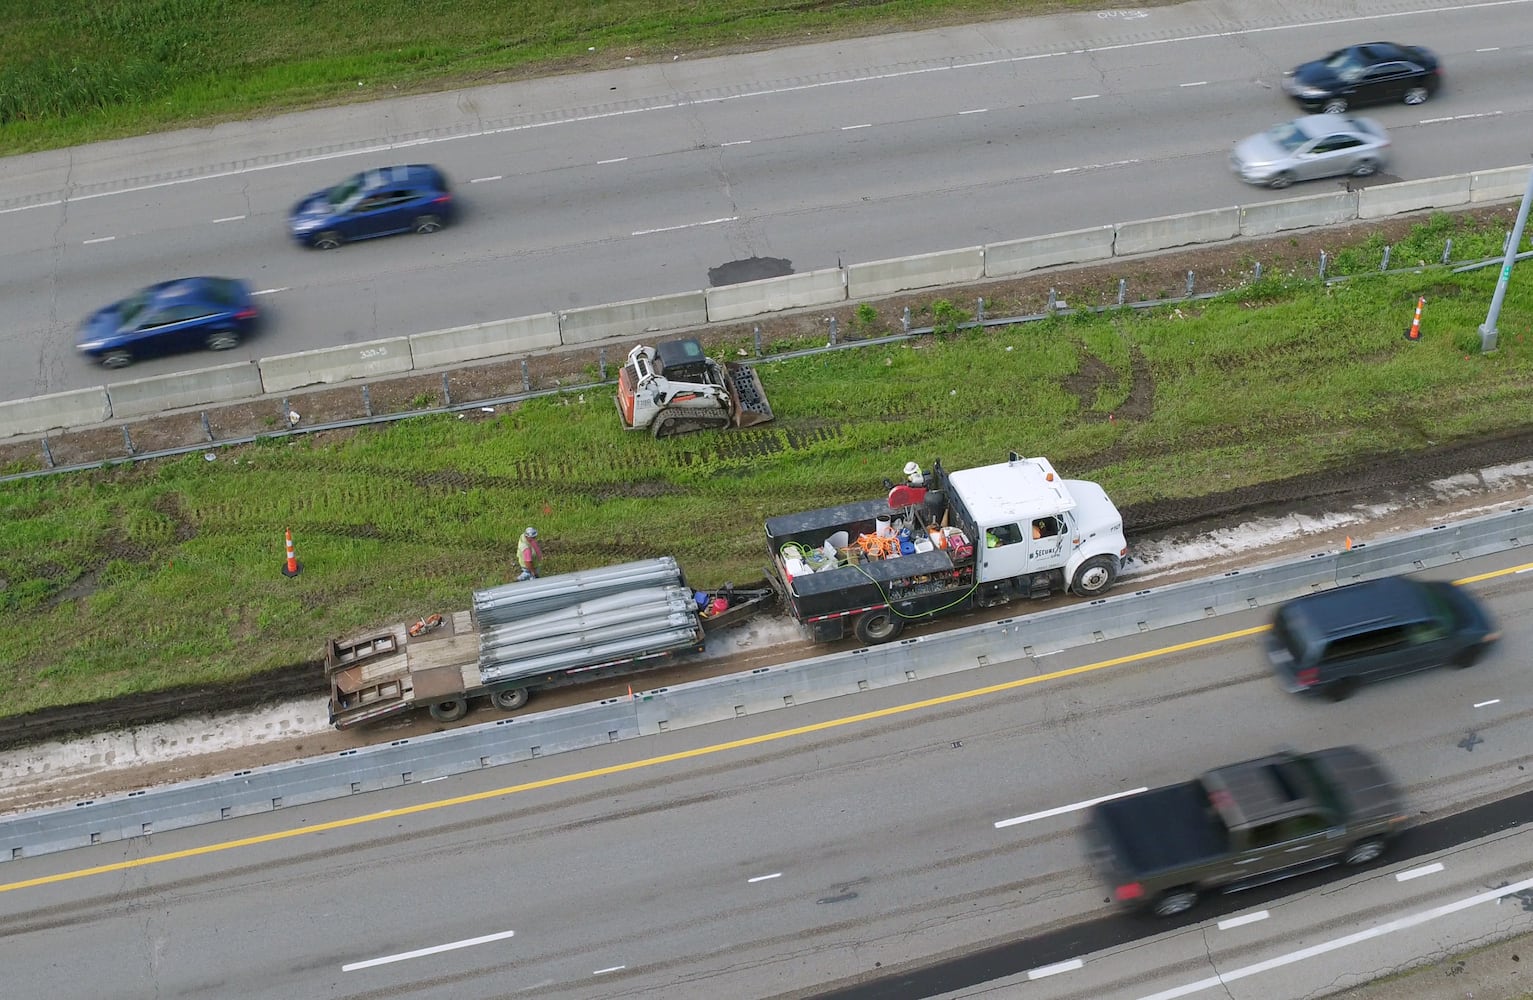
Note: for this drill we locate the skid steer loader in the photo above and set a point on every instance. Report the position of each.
(675, 388)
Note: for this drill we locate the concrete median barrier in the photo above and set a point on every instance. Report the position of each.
(336, 364)
(1412, 196)
(1075, 247)
(142, 397)
(521, 335)
(632, 318)
(40, 414)
(1298, 213)
(1498, 185)
(791, 291)
(1145, 235)
(947, 267)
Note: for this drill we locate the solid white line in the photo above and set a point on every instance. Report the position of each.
(433, 950)
(486, 180)
(1055, 969)
(100, 239)
(1493, 48)
(1525, 569)
(1199, 83)
(689, 225)
(763, 878)
(1431, 869)
(1493, 701)
(23, 208)
(1061, 810)
(1242, 920)
(616, 159)
(1086, 97)
(976, 111)
(737, 142)
(848, 128)
(1403, 923)
(270, 291)
(615, 968)
(440, 777)
(384, 147)
(1458, 118)
(228, 218)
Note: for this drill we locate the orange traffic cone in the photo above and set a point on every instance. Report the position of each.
(1349, 543)
(292, 568)
(1414, 333)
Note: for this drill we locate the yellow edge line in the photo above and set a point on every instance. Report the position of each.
(600, 772)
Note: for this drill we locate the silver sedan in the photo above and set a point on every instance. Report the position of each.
(1309, 147)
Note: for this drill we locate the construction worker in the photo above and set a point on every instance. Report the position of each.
(528, 555)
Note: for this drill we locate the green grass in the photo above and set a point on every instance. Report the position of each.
(82, 70)
(139, 577)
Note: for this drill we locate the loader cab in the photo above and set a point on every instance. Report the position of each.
(682, 360)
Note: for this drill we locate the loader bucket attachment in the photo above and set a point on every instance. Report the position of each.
(748, 404)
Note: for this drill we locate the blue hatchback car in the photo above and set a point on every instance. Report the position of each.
(180, 315)
(407, 199)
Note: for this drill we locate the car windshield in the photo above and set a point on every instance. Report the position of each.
(1345, 65)
(345, 191)
(1287, 136)
(130, 308)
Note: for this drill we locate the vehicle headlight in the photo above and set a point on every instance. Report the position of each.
(1307, 91)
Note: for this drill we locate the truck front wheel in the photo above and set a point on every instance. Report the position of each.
(1095, 576)
(875, 627)
(1174, 901)
(449, 711)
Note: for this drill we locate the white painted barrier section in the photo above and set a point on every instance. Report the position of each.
(946, 267)
(521, 335)
(1145, 235)
(1075, 247)
(142, 397)
(1412, 196)
(59, 410)
(791, 291)
(336, 364)
(628, 319)
(1498, 185)
(1269, 217)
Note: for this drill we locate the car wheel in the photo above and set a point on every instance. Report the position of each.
(1095, 576)
(427, 224)
(1174, 901)
(116, 359)
(223, 340)
(449, 711)
(1280, 181)
(1365, 168)
(1364, 851)
(510, 699)
(1416, 95)
(1466, 659)
(1342, 689)
(327, 241)
(878, 626)
(1334, 106)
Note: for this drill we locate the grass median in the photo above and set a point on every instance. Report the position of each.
(142, 577)
(78, 71)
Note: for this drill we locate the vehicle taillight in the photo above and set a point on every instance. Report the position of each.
(247, 313)
(441, 199)
(1127, 891)
(1309, 677)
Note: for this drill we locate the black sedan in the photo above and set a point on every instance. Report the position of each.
(1375, 73)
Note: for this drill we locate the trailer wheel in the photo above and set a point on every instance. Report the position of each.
(449, 711)
(1096, 576)
(510, 699)
(878, 626)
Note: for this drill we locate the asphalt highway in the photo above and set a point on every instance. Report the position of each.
(629, 183)
(809, 849)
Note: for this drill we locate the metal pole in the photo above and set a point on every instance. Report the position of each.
(1488, 328)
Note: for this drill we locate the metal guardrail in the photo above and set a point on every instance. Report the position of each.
(403, 762)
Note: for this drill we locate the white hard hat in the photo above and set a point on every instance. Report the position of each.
(531, 532)
(912, 468)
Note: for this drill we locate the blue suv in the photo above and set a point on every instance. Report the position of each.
(179, 315)
(382, 202)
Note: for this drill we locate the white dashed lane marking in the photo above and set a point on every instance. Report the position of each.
(485, 180)
(1195, 83)
(763, 878)
(1055, 969)
(685, 225)
(270, 291)
(1242, 920)
(423, 952)
(1431, 869)
(615, 159)
(100, 239)
(228, 218)
(1086, 97)
(849, 128)
(1061, 810)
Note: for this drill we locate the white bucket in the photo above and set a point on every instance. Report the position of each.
(882, 528)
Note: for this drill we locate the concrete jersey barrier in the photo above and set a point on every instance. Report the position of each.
(336, 364)
(402, 762)
(141, 397)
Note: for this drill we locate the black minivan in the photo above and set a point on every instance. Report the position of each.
(1335, 640)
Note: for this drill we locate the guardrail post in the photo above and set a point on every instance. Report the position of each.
(127, 442)
(832, 331)
(1122, 289)
(905, 320)
(756, 336)
(526, 377)
(1189, 284)
(1322, 265)
(367, 401)
(980, 310)
(1447, 249)
(47, 452)
(287, 413)
(1384, 264)
(446, 391)
(1053, 298)
(1258, 276)
(601, 363)
(207, 429)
